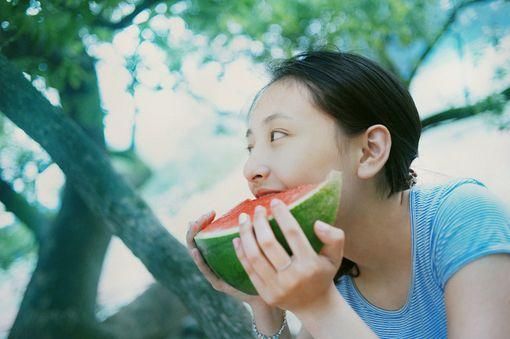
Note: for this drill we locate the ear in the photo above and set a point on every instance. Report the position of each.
(376, 145)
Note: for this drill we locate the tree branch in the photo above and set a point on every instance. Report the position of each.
(25, 212)
(493, 102)
(446, 26)
(87, 168)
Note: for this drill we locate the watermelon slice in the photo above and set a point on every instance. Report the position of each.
(307, 203)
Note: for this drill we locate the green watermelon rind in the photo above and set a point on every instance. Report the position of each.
(219, 252)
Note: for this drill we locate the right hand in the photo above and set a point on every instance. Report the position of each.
(217, 283)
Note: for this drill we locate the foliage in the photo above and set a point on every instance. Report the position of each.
(53, 35)
(16, 241)
(21, 164)
(285, 27)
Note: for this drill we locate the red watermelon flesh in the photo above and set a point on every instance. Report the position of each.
(230, 219)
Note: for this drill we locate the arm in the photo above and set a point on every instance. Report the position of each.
(269, 320)
(332, 317)
(477, 299)
(303, 334)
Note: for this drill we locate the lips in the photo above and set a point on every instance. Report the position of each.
(263, 192)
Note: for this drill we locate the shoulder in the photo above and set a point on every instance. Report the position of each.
(442, 201)
(435, 194)
(468, 201)
(469, 222)
(466, 192)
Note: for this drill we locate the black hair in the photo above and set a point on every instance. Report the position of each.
(359, 93)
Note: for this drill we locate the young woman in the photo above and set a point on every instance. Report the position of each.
(402, 261)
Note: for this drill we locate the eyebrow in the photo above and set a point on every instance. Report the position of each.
(268, 119)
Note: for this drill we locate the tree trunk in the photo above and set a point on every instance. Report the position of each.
(60, 300)
(87, 168)
(156, 313)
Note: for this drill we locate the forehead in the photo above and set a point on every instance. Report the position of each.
(284, 99)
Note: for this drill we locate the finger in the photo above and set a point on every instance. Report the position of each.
(215, 281)
(196, 226)
(251, 250)
(271, 248)
(293, 233)
(333, 239)
(256, 280)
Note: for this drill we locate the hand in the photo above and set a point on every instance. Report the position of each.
(217, 283)
(292, 283)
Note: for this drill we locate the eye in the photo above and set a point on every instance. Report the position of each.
(273, 133)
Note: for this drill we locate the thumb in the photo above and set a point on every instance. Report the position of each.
(333, 239)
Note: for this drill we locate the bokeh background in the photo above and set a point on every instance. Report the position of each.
(164, 87)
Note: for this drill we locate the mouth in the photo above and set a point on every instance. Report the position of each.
(263, 192)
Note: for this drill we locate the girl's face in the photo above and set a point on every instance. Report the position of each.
(291, 142)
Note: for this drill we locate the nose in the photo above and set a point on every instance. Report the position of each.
(255, 172)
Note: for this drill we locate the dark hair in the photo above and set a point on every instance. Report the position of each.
(358, 93)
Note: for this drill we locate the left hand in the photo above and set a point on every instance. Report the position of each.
(288, 282)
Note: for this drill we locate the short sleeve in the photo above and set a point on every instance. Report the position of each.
(470, 223)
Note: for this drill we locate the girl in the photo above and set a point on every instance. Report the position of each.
(401, 261)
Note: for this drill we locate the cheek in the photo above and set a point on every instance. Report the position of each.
(323, 153)
(290, 166)
(305, 163)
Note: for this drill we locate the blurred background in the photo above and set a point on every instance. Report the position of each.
(164, 87)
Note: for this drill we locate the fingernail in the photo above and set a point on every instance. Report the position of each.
(243, 218)
(275, 202)
(321, 226)
(259, 209)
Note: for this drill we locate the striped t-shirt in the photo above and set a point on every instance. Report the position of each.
(451, 225)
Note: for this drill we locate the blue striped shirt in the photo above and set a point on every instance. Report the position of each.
(452, 224)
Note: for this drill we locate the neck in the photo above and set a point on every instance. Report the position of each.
(377, 234)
